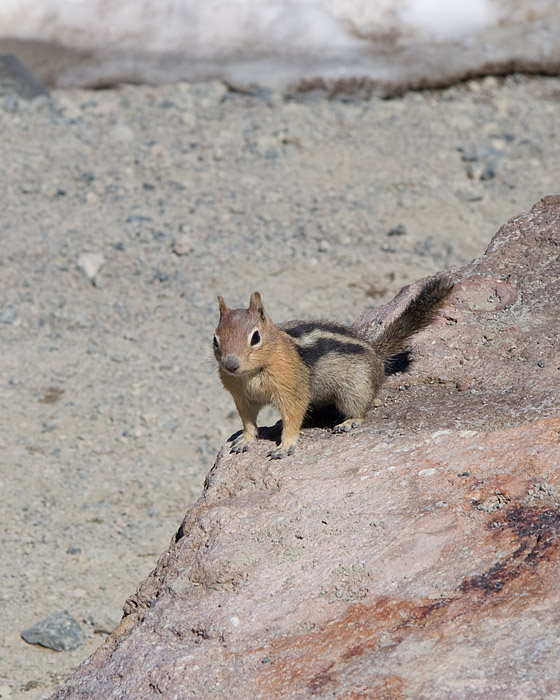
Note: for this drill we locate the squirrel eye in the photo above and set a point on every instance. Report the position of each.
(215, 342)
(255, 338)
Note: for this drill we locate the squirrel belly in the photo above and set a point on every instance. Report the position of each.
(302, 365)
(281, 381)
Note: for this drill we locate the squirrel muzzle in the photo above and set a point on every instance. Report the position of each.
(231, 363)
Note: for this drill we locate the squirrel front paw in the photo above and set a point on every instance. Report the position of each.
(241, 447)
(279, 452)
(241, 444)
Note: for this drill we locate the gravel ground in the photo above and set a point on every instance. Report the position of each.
(124, 213)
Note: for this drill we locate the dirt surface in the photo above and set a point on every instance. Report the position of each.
(124, 213)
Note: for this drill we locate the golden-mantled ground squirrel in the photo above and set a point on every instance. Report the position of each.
(302, 365)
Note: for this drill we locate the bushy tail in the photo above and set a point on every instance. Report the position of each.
(418, 314)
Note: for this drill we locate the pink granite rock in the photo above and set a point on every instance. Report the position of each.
(415, 557)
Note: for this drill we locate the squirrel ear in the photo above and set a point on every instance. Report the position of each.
(255, 302)
(256, 305)
(222, 305)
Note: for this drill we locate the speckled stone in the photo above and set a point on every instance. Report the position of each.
(59, 632)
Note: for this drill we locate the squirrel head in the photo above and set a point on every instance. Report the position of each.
(241, 342)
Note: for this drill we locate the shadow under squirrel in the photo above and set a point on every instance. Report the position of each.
(299, 366)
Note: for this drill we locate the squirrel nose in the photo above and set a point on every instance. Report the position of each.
(231, 363)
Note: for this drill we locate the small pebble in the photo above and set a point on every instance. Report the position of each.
(122, 133)
(30, 187)
(92, 198)
(59, 632)
(469, 194)
(161, 276)
(469, 152)
(189, 120)
(91, 263)
(9, 315)
(399, 230)
(490, 170)
(182, 245)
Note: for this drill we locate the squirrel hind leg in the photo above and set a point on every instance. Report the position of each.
(355, 396)
(354, 408)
